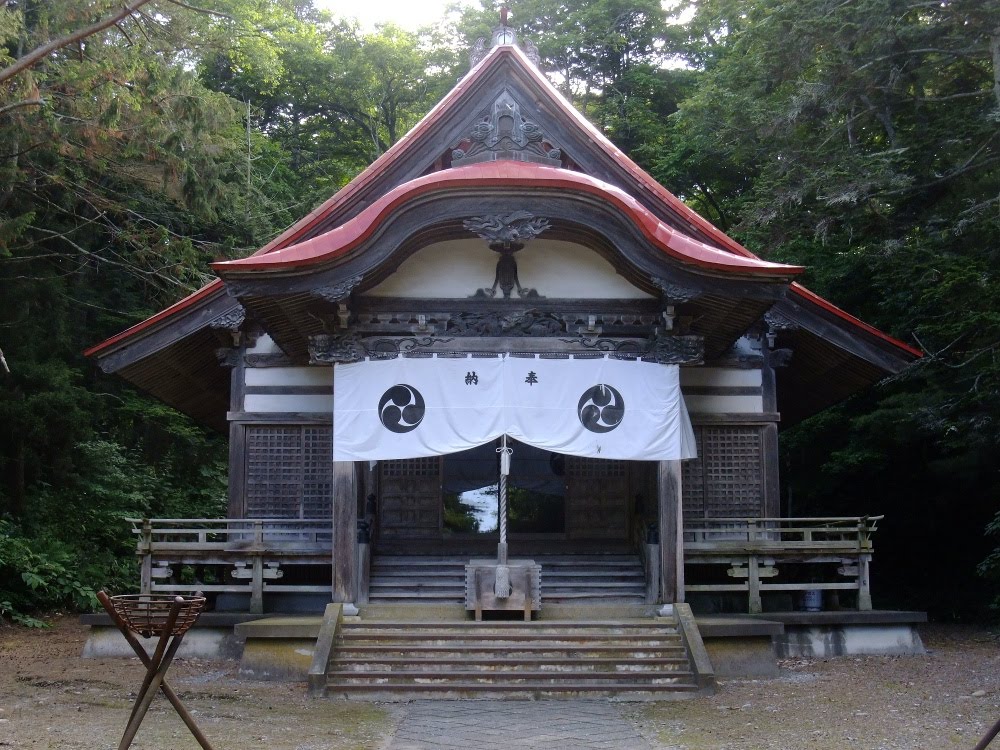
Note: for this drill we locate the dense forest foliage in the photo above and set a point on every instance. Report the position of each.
(139, 143)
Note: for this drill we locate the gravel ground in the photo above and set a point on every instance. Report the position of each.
(52, 698)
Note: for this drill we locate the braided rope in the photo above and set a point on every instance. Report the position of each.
(501, 583)
(503, 509)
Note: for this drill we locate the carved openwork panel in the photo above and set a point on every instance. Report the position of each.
(727, 478)
(288, 471)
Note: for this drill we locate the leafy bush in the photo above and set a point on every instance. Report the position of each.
(34, 577)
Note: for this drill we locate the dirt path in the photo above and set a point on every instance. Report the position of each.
(52, 698)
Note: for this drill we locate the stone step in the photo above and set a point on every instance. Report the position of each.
(431, 652)
(507, 677)
(622, 691)
(407, 665)
(639, 639)
(493, 627)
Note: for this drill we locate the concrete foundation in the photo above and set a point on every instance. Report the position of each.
(741, 646)
(211, 638)
(847, 633)
(846, 640)
(278, 648)
(199, 643)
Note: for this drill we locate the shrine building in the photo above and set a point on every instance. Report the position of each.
(505, 372)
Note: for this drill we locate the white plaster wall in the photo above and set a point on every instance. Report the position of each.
(720, 377)
(724, 404)
(307, 376)
(457, 268)
(264, 345)
(308, 403)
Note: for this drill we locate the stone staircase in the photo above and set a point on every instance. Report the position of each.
(594, 578)
(398, 660)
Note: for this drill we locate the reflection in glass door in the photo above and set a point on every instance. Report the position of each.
(536, 491)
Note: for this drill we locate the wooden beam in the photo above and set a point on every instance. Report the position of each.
(671, 524)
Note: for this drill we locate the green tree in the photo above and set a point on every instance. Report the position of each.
(860, 139)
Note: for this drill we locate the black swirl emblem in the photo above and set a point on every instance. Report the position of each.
(601, 408)
(401, 408)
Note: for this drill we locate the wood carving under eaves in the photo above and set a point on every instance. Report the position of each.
(337, 292)
(330, 349)
(230, 321)
(503, 132)
(349, 347)
(675, 292)
(227, 357)
(664, 350)
(778, 322)
(530, 323)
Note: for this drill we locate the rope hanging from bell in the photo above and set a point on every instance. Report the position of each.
(501, 584)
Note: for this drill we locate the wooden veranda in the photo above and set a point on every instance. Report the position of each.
(262, 558)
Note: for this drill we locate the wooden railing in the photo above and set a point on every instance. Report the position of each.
(758, 549)
(229, 555)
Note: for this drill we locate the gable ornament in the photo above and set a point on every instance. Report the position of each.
(503, 132)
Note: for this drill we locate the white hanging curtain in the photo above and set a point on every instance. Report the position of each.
(596, 407)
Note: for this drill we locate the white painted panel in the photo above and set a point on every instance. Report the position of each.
(555, 269)
(254, 402)
(318, 375)
(724, 404)
(264, 345)
(719, 377)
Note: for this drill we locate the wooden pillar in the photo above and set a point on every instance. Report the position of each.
(345, 532)
(237, 436)
(769, 436)
(671, 521)
(344, 579)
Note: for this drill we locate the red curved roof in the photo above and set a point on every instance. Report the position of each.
(643, 181)
(524, 176)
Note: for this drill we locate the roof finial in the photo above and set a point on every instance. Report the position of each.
(504, 10)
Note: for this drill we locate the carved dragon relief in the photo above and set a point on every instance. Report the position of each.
(530, 323)
(350, 347)
(507, 231)
(507, 234)
(504, 129)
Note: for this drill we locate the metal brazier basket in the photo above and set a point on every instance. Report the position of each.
(147, 614)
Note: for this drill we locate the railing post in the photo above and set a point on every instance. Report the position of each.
(753, 583)
(146, 552)
(257, 579)
(864, 582)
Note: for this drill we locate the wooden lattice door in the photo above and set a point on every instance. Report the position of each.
(410, 499)
(597, 498)
(727, 478)
(289, 471)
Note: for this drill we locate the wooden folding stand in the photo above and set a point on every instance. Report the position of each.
(169, 618)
